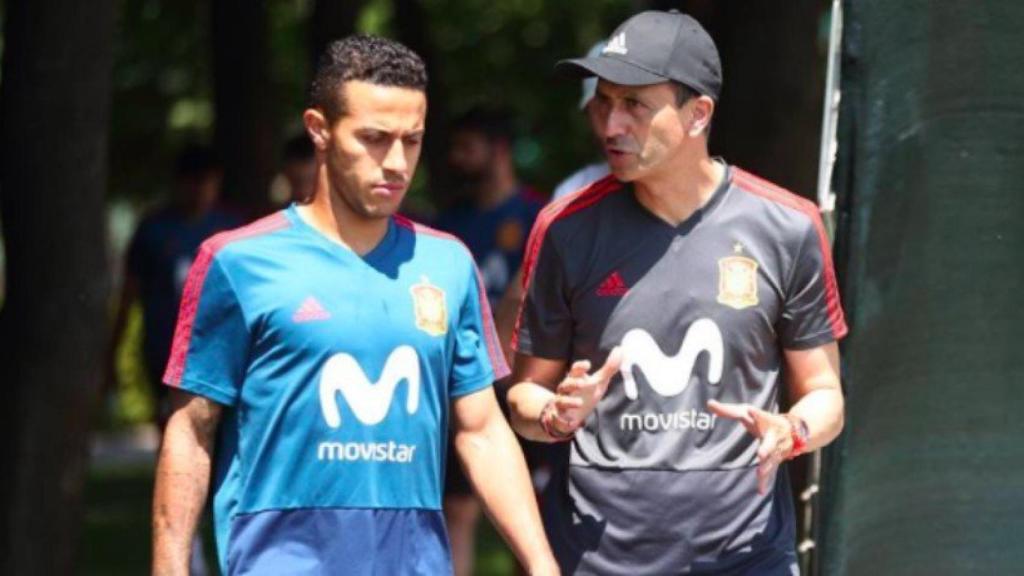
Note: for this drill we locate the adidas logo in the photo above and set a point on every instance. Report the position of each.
(616, 45)
(613, 285)
(310, 311)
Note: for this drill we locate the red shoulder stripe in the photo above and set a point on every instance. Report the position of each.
(765, 189)
(561, 208)
(194, 287)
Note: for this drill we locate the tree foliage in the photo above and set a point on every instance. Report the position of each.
(498, 53)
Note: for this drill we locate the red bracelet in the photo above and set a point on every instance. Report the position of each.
(799, 434)
(546, 416)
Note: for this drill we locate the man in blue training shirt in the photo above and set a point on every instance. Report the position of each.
(317, 354)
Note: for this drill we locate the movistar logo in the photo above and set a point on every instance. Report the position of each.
(670, 375)
(616, 45)
(369, 401)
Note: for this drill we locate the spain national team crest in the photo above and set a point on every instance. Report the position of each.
(509, 235)
(430, 308)
(737, 281)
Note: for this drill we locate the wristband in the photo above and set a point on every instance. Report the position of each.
(799, 434)
(546, 416)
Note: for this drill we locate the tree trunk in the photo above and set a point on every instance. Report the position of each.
(244, 132)
(54, 109)
(410, 21)
(332, 20)
(927, 477)
(769, 116)
(768, 119)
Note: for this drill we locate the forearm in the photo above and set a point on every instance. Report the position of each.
(526, 401)
(822, 411)
(505, 315)
(495, 466)
(182, 480)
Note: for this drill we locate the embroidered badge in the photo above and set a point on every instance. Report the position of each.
(430, 308)
(737, 281)
(509, 236)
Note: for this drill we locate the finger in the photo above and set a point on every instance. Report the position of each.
(765, 475)
(736, 412)
(763, 420)
(768, 446)
(566, 403)
(570, 385)
(579, 369)
(611, 365)
(563, 423)
(582, 389)
(731, 411)
(728, 410)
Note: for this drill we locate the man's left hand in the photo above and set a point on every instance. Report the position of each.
(774, 432)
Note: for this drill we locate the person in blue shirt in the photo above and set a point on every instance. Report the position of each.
(321, 354)
(159, 255)
(492, 214)
(494, 210)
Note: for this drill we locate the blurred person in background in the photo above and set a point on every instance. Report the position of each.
(297, 179)
(506, 308)
(494, 210)
(156, 266)
(597, 170)
(493, 214)
(158, 258)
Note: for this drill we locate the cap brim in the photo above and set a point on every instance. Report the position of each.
(610, 69)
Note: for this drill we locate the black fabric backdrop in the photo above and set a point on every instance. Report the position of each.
(929, 475)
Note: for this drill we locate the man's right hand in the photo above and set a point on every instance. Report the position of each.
(578, 394)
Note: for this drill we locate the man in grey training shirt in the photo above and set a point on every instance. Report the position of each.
(692, 286)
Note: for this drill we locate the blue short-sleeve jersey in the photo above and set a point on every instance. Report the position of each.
(337, 371)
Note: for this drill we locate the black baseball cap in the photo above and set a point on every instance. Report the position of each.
(653, 47)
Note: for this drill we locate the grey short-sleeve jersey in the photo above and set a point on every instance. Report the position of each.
(702, 311)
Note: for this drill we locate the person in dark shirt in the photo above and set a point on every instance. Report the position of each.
(492, 216)
(298, 172)
(494, 210)
(696, 292)
(159, 256)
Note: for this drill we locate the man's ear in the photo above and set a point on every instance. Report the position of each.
(317, 128)
(700, 119)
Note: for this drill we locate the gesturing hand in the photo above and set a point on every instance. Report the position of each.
(774, 431)
(578, 393)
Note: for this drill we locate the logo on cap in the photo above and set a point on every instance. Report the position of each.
(616, 45)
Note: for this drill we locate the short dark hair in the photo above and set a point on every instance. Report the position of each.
(367, 58)
(298, 147)
(683, 93)
(495, 124)
(196, 160)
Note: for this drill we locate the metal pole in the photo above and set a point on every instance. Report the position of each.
(806, 549)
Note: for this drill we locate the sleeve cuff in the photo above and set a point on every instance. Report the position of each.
(814, 340)
(477, 384)
(215, 393)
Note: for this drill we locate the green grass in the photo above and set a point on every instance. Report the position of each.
(116, 540)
